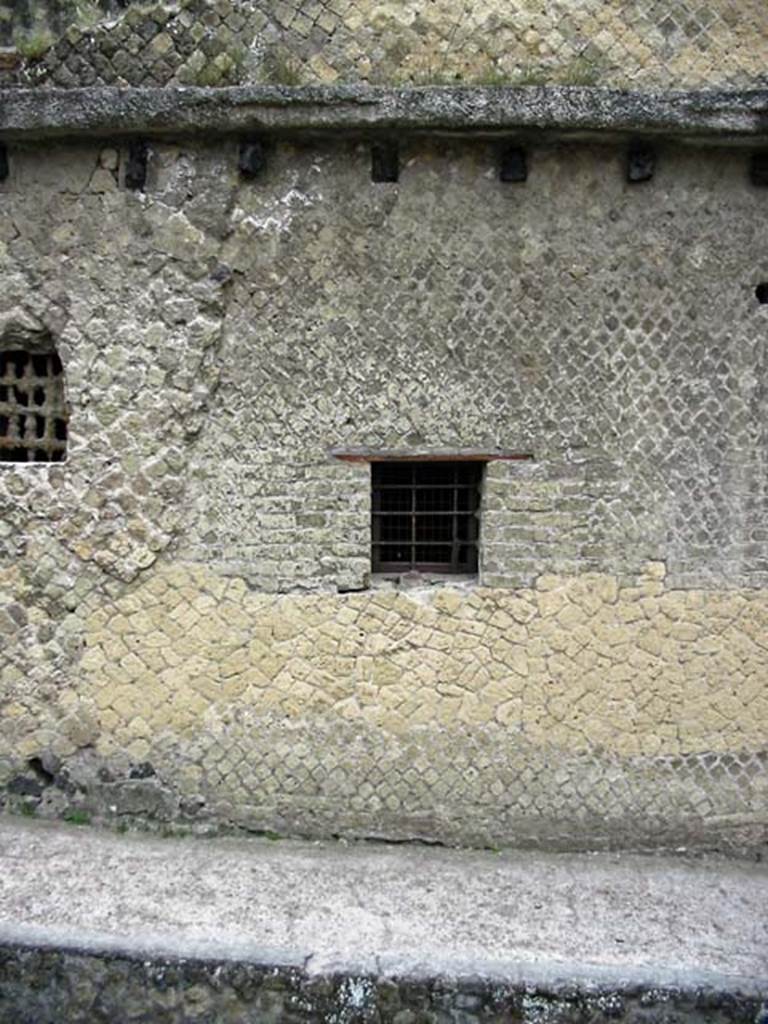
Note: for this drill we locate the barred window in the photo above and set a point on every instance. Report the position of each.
(33, 412)
(425, 516)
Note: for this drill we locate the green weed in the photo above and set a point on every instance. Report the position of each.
(77, 816)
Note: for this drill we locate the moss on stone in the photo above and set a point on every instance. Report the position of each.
(34, 44)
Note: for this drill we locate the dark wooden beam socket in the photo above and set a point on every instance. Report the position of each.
(252, 159)
(514, 164)
(758, 170)
(136, 165)
(385, 161)
(641, 164)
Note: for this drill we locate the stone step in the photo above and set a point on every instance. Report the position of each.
(96, 926)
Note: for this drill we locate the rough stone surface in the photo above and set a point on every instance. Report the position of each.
(188, 630)
(130, 928)
(490, 717)
(538, 113)
(645, 44)
(42, 986)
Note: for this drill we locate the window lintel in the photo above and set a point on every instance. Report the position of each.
(430, 455)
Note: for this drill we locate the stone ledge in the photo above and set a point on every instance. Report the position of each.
(584, 919)
(135, 927)
(724, 118)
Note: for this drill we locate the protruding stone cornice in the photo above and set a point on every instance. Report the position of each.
(725, 117)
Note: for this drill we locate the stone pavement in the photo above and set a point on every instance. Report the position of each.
(387, 910)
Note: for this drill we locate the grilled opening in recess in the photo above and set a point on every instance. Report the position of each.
(425, 516)
(33, 412)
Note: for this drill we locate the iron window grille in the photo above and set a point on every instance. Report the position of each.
(425, 516)
(33, 412)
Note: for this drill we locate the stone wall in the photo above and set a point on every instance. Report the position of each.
(43, 986)
(644, 44)
(189, 630)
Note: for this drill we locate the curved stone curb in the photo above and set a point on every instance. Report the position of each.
(96, 926)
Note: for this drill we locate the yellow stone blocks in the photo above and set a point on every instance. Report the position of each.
(577, 663)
